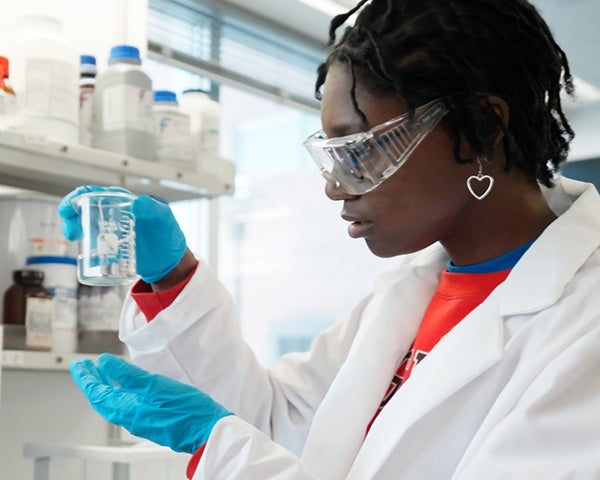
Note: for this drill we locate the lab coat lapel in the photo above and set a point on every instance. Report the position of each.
(474, 345)
(389, 327)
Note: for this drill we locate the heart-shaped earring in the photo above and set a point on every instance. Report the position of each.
(480, 177)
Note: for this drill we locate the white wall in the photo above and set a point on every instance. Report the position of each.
(585, 120)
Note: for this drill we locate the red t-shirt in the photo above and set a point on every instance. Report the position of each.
(151, 303)
(455, 297)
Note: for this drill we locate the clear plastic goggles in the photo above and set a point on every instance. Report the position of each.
(360, 162)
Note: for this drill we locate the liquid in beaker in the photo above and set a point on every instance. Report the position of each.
(107, 247)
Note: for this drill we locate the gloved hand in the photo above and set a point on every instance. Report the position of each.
(160, 243)
(71, 226)
(150, 406)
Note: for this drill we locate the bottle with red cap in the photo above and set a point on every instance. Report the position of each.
(8, 104)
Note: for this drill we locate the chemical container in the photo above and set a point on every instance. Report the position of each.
(87, 83)
(123, 106)
(98, 314)
(172, 132)
(204, 123)
(44, 72)
(60, 279)
(28, 305)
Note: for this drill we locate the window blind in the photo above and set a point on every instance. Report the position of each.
(229, 48)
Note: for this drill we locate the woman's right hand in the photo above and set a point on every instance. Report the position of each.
(71, 226)
(160, 243)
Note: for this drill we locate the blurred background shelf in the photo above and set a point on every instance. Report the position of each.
(33, 360)
(15, 355)
(35, 163)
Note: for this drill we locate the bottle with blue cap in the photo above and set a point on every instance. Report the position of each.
(87, 84)
(60, 279)
(172, 132)
(44, 74)
(123, 105)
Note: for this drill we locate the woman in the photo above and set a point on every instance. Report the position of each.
(478, 356)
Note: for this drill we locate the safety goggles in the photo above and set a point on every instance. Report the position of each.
(360, 162)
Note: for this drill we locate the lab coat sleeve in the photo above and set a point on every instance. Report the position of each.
(238, 451)
(553, 431)
(197, 340)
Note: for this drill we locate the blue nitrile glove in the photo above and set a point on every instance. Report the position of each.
(160, 243)
(153, 407)
(71, 226)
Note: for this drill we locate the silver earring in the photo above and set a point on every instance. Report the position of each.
(480, 177)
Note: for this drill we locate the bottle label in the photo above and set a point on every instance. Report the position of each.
(210, 140)
(173, 139)
(50, 85)
(99, 308)
(38, 322)
(64, 315)
(86, 115)
(127, 106)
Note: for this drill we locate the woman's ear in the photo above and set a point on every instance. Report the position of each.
(496, 127)
(502, 111)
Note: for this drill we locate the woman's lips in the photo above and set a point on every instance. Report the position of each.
(358, 229)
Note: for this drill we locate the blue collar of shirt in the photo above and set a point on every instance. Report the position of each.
(503, 262)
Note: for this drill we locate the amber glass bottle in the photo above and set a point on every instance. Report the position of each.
(27, 303)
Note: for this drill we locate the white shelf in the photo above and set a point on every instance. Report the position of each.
(35, 163)
(126, 454)
(32, 360)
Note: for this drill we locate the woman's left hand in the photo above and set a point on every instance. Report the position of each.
(150, 406)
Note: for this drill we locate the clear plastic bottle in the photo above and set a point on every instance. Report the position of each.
(98, 318)
(205, 118)
(8, 101)
(172, 132)
(123, 106)
(44, 73)
(87, 83)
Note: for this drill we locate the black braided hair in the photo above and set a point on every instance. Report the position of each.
(464, 51)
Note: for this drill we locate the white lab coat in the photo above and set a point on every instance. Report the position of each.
(512, 392)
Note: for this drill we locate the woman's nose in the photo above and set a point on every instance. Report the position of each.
(335, 192)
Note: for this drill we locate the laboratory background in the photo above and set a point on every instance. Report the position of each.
(222, 96)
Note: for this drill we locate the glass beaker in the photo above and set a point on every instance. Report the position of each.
(107, 247)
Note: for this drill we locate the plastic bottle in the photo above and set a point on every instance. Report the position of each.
(87, 83)
(205, 120)
(8, 102)
(60, 279)
(28, 304)
(98, 318)
(172, 132)
(44, 73)
(123, 106)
